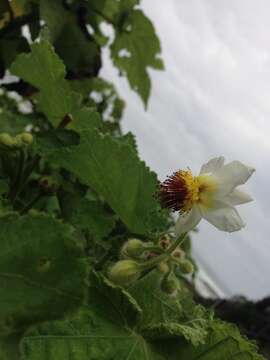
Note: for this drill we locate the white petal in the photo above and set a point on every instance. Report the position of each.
(231, 175)
(237, 197)
(213, 165)
(188, 221)
(224, 217)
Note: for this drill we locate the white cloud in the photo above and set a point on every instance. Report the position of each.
(212, 100)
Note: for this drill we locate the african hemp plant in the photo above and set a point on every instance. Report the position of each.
(92, 265)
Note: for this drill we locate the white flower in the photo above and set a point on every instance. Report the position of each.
(212, 195)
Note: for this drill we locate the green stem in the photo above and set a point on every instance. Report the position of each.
(153, 262)
(154, 248)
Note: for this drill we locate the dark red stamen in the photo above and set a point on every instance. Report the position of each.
(173, 192)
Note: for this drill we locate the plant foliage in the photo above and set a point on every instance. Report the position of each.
(73, 190)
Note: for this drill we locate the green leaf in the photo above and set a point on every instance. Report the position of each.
(107, 329)
(85, 119)
(130, 140)
(113, 10)
(89, 216)
(112, 302)
(166, 316)
(115, 172)
(9, 347)
(48, 141)
(104, 8)
(85, 61)
(42, 271)
(103, 94)
(3, 186)
(43, 69)
(79, 52)
(224, 342)
(103, 331)
(54, 14)
(135, 48)
(13, 123)
(12, 120)
(10, 46)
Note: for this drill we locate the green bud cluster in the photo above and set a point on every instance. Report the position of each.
(16, 142)
(138, 256)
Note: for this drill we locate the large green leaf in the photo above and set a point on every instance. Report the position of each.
(77, 49)
(224, 342)
(113, 170)
(108, 330)
(135, 48)
(9, 346)
(104, 331)
(168, 316)
(10, 46)
(42, 271)
(88, 216)
(43, 69)
(85, 119)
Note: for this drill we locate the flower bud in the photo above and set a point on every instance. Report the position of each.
(124, 272)
(178, 253)
(27, 138)
(165, 241)
(186, 267)
(163, 267)
(133, 248)
(23, 139)
(7, 140)
(170, 285)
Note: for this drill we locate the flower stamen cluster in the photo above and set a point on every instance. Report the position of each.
(211, 195)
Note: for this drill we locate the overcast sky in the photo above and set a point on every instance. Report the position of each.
(212, 100)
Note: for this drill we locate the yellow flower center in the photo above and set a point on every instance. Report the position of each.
(181, 191)
(200, 190)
